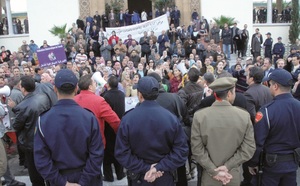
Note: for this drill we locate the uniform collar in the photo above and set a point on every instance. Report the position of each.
(65, 102)
(148, 102)
(221, 103)
(283, 96)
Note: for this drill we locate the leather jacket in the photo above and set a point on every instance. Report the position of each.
(27, 113)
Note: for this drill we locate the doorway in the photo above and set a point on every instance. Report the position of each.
(140, 5)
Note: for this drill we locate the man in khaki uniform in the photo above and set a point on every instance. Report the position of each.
(222, 137)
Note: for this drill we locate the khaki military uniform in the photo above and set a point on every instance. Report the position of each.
(222, 135)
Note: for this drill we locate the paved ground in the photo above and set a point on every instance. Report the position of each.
(21, 174)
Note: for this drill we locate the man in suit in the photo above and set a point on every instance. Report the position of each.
(257, 95)
(116, 99)
(97, 17)
(234, 31)
(121, 18)
(112, 18)
(246, 32)
(256, 46)
(267, 67)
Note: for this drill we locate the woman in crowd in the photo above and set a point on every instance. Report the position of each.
(176, 80)
(133, 92)
(126, 82)
(220, 72)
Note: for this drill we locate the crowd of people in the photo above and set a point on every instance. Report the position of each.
(185, 69)
(18, 27)
(260, 15)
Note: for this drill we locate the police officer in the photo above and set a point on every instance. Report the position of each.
(173, 103)
(150, 142)
(268, 46)
(222, 136)
(274, 15)
(68, 148)
(278, 51)
(278, 135)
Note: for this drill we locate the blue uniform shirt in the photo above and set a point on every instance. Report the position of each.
(68, 137)
(277, 131)
(150, 134)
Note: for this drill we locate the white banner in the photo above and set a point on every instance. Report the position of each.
(137, 31)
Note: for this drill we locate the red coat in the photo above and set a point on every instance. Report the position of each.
(101, 110)
(116, 38)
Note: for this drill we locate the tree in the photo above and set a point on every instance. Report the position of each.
(160, 4)
(279, 5)
(295, 26)
(59, 31)
(115, 5)
(224, 19)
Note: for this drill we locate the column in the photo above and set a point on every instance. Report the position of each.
(269, 12)
(9, 18)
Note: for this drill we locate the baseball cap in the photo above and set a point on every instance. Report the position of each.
(147, 85)
(174, 55)
(280, 76)
(279, 38)
(268, 33)
(222, 84)
(65, 76)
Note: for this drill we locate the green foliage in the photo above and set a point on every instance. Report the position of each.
(116, 5)
(224, 19)
(160, 4)
(59, 31)
(295, 26)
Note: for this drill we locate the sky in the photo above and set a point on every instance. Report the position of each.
(18, 5)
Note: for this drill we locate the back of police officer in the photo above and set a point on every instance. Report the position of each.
(150, 139)
(277, 134)
(68, 148)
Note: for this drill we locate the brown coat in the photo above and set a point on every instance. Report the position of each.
(222, 135)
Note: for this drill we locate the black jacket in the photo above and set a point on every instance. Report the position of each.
(27, 113)
(174, 104)
(191, 95)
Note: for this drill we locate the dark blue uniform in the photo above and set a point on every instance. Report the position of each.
(68, 145)
(278, 52)
(277, 131)
(147, 135)
(268, 47)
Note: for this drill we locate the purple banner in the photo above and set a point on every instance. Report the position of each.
(52, 55)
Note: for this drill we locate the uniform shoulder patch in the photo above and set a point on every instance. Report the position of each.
(258, 117)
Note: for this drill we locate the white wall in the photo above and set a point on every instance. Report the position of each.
(241, 10)
(276, 30)
(44, 14)
(13, 42)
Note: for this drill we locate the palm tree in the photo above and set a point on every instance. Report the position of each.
(59, 31)
(223, 19)
(279, 6)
